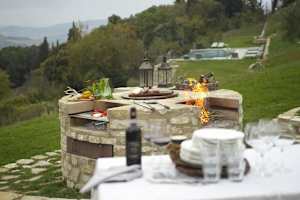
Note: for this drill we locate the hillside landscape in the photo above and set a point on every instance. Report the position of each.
(33, 78)
(27, 36)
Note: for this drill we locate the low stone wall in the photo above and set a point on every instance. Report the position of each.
(183, 119)
(290, 117)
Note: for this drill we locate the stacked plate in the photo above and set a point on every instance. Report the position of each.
(189, 153)
(230, 142)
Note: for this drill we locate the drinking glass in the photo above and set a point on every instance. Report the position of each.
(211, 165)
(236, 166)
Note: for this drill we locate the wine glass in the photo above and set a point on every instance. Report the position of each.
(161, 136)
(286, 139)
(258, 139)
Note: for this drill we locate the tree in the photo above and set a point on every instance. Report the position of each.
(287, 2)
(114, 19)
(4, 85)
(274, 5)
(290, 21)
(232, 7)
(75, 33)
(18, 62)
(43, 50)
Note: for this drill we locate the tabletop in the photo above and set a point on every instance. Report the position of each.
(278, 186)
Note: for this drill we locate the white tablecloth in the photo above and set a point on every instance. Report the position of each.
(278, 186)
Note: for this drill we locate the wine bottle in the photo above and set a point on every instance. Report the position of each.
(133, 141)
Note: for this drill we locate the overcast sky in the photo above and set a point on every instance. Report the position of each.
(49, 12)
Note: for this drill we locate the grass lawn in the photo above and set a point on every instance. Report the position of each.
(266, 93)
(242, 37)
(29, 138)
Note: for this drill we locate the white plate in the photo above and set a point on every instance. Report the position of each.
(217, 134)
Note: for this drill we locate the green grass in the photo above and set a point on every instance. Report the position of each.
(266, 93)
(29, 138)
(242, 37)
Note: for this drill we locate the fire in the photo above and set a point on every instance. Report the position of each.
(201, 91)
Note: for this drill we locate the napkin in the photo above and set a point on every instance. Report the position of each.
(113, 174)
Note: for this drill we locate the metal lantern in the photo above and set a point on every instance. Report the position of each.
(164, 74)
(146, 74)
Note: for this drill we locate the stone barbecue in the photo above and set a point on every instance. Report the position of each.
(82, 143)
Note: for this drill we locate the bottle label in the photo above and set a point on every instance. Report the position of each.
(134, 152)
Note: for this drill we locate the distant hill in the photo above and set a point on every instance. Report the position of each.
(56, 32)
(16, 41)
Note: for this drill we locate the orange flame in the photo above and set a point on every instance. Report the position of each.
(201, 91)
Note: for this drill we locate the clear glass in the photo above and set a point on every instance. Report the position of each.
(211, 164)
(261, 136)
(161, 136)
(236, 166)
(286, 139)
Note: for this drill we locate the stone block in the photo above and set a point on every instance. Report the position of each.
(75, 107)
(70, 184)
(74, 161)
(119, 150)
(94, 139)
(74, 174)
(180, 120)
(117, 124)
(82, 137)
(84, 178)
(111, 141)
(9, 196)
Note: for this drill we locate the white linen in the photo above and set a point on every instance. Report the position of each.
(278, 186)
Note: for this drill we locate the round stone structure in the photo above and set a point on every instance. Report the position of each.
(82, 144)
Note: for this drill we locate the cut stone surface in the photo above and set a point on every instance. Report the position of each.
(51, 154)
(3, 170)
(3, 182)
(39, 157)
(27, 166)
(15, 171)
(17, 182)
(37, 170)
(25, 161)
(42, 163)
(34, 198)
(35, 178)
(3, 189)
(9, 196)
(58, 151)
(58, 162)
(11, 166)
(9, 177)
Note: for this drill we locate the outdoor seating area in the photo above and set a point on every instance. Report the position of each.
(150, 100)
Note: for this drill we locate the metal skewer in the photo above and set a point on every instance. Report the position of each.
(148, 107)
(155, 102)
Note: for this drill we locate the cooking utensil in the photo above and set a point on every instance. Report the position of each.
(148, 107)
(155, 102)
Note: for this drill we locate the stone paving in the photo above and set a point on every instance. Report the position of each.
(31, 178)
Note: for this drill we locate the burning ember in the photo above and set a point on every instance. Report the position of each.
(201, 90)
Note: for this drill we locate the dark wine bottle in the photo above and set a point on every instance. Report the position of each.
(133, 141)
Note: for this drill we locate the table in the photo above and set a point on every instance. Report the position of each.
(278, 186)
